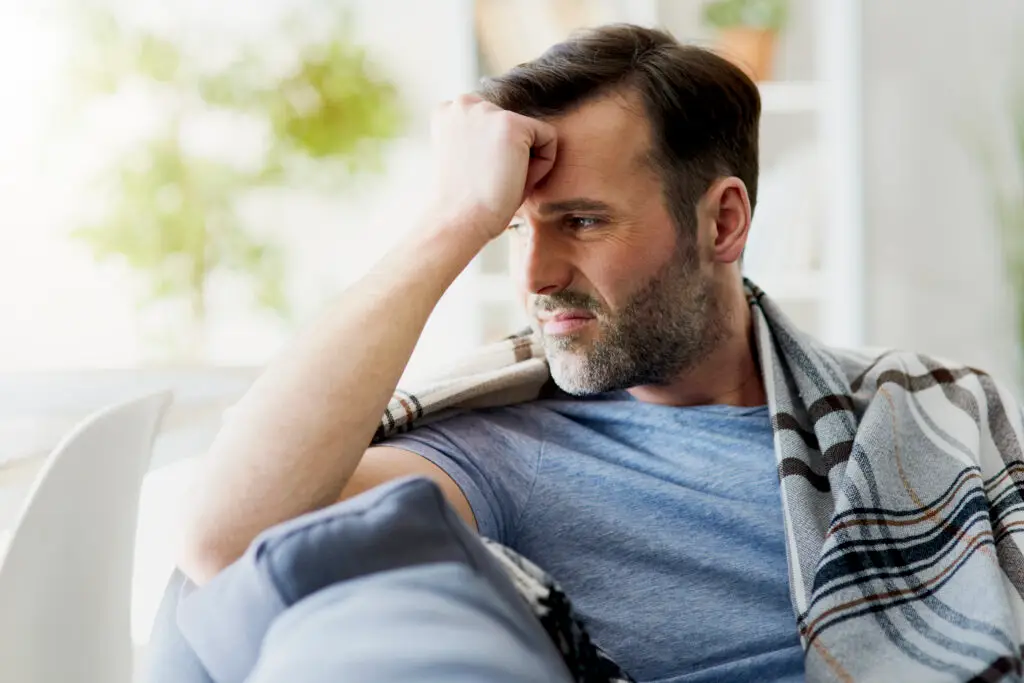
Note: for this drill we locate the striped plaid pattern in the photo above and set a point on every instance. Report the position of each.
(586, 662)
(901, 483)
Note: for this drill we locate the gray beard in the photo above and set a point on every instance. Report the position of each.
(668, 326)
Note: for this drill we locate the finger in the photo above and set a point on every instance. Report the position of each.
(542, 151)
(536, 172)
(468, 100)
(544, 140)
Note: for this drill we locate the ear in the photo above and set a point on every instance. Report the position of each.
(727, 212)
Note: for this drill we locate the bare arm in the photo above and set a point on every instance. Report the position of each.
(383, 463)
(294, 441)
(295, 438)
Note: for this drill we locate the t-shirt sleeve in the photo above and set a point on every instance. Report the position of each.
(492, 455)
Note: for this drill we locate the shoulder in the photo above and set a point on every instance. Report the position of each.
(482, 426)
(516, 423)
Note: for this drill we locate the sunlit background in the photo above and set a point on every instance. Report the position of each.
(184, 185)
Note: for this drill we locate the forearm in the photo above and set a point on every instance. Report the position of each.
(295, 438)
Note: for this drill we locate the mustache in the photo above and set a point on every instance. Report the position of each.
(561, 300)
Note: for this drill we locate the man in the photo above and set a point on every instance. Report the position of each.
(626, 165)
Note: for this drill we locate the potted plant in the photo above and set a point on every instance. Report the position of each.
(747, 32)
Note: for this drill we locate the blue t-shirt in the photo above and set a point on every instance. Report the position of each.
(663, 525)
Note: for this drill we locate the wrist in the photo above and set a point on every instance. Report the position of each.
(436, 249)
(463, 230)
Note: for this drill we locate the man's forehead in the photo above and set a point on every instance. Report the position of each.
(609, 129)
(601, 155)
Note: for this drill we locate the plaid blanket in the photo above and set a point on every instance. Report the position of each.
(901, 481)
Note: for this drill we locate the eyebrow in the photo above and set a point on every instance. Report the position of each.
(577, 204)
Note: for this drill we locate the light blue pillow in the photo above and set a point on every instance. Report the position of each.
(168, 658)
(403, 523)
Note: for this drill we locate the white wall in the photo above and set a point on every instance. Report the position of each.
(935, 72)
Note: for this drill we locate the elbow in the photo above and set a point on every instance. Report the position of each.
(199, 567)
(202, 554)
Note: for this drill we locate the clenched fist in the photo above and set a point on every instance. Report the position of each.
(486, 159)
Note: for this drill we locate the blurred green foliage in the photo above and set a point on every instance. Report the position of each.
(766, 14)
(1008, 206)
(172, 215)
(1001, 160)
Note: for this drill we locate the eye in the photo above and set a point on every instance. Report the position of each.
(582, 222)
(515, 226)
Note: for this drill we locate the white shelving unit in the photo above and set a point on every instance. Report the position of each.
(827, 299)
(794, 286)
(787, 97)
(839, 68)
(825, 296)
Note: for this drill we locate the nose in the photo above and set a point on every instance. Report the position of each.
(544, 262)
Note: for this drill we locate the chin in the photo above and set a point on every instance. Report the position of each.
(568, 372)
(572, 388)
(574, 343)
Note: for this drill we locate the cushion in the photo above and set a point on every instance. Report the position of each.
(402, 523)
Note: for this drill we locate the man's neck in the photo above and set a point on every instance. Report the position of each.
(729, 375)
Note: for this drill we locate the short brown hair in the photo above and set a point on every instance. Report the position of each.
(702, 109)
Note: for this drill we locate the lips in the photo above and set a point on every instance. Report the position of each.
(564, 322)
(565, 315)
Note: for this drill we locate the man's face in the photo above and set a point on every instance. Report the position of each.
(620, 296)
